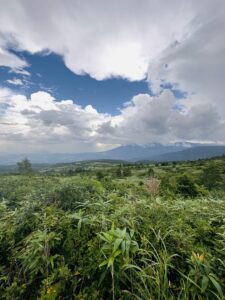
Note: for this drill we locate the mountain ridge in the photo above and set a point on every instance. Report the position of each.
(153, 152)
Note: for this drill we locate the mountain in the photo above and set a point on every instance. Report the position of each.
(153, 152)
(193, 153)
(136, 152)
(130, 153)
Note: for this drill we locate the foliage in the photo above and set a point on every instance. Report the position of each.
(211, 176)
(186, 186)
(70, 236)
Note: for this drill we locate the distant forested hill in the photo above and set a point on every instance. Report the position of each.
(194, 153)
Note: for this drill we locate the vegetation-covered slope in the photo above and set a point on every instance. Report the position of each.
(114, 232)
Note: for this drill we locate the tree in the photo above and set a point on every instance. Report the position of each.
(24, 166)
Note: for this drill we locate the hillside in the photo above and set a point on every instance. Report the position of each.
(194, 153)
(94, 229)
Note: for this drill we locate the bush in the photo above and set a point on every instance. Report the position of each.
(211, 177)
(79, 238)
(186, 186)
(71, 195)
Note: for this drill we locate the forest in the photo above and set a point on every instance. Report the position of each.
(113, 230)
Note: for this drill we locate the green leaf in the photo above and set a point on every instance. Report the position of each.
(216, 285)
(110, 261)
(123, 246)
(205, 281)
(79, 226)
(103, 263)
(115, 254)
(102, 276)
(117, 244)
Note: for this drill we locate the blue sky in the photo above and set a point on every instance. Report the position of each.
(49, 73)
(154, 72)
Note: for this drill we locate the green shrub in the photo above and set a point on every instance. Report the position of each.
(186, 186)
(57, 240)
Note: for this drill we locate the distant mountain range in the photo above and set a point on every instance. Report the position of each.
(194, 153)
(153, 152)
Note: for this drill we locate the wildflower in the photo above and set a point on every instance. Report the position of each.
(199, 257)
(77, 273)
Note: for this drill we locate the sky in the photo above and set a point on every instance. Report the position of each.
(90, 75)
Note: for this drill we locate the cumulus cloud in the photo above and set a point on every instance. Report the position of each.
(42, 123)
(114, 38)
(101, 38)
(5, 94)
(177, 42)
(196, 62)
(157, 119)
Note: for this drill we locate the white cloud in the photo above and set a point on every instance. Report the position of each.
(7, 58)
(121, 38)
(178, 41)
(10, 60)
(20, 71)
(196, 63)
(15, 81)
(101, 38)
(156, 119)
(42, 123)
(5, 94)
